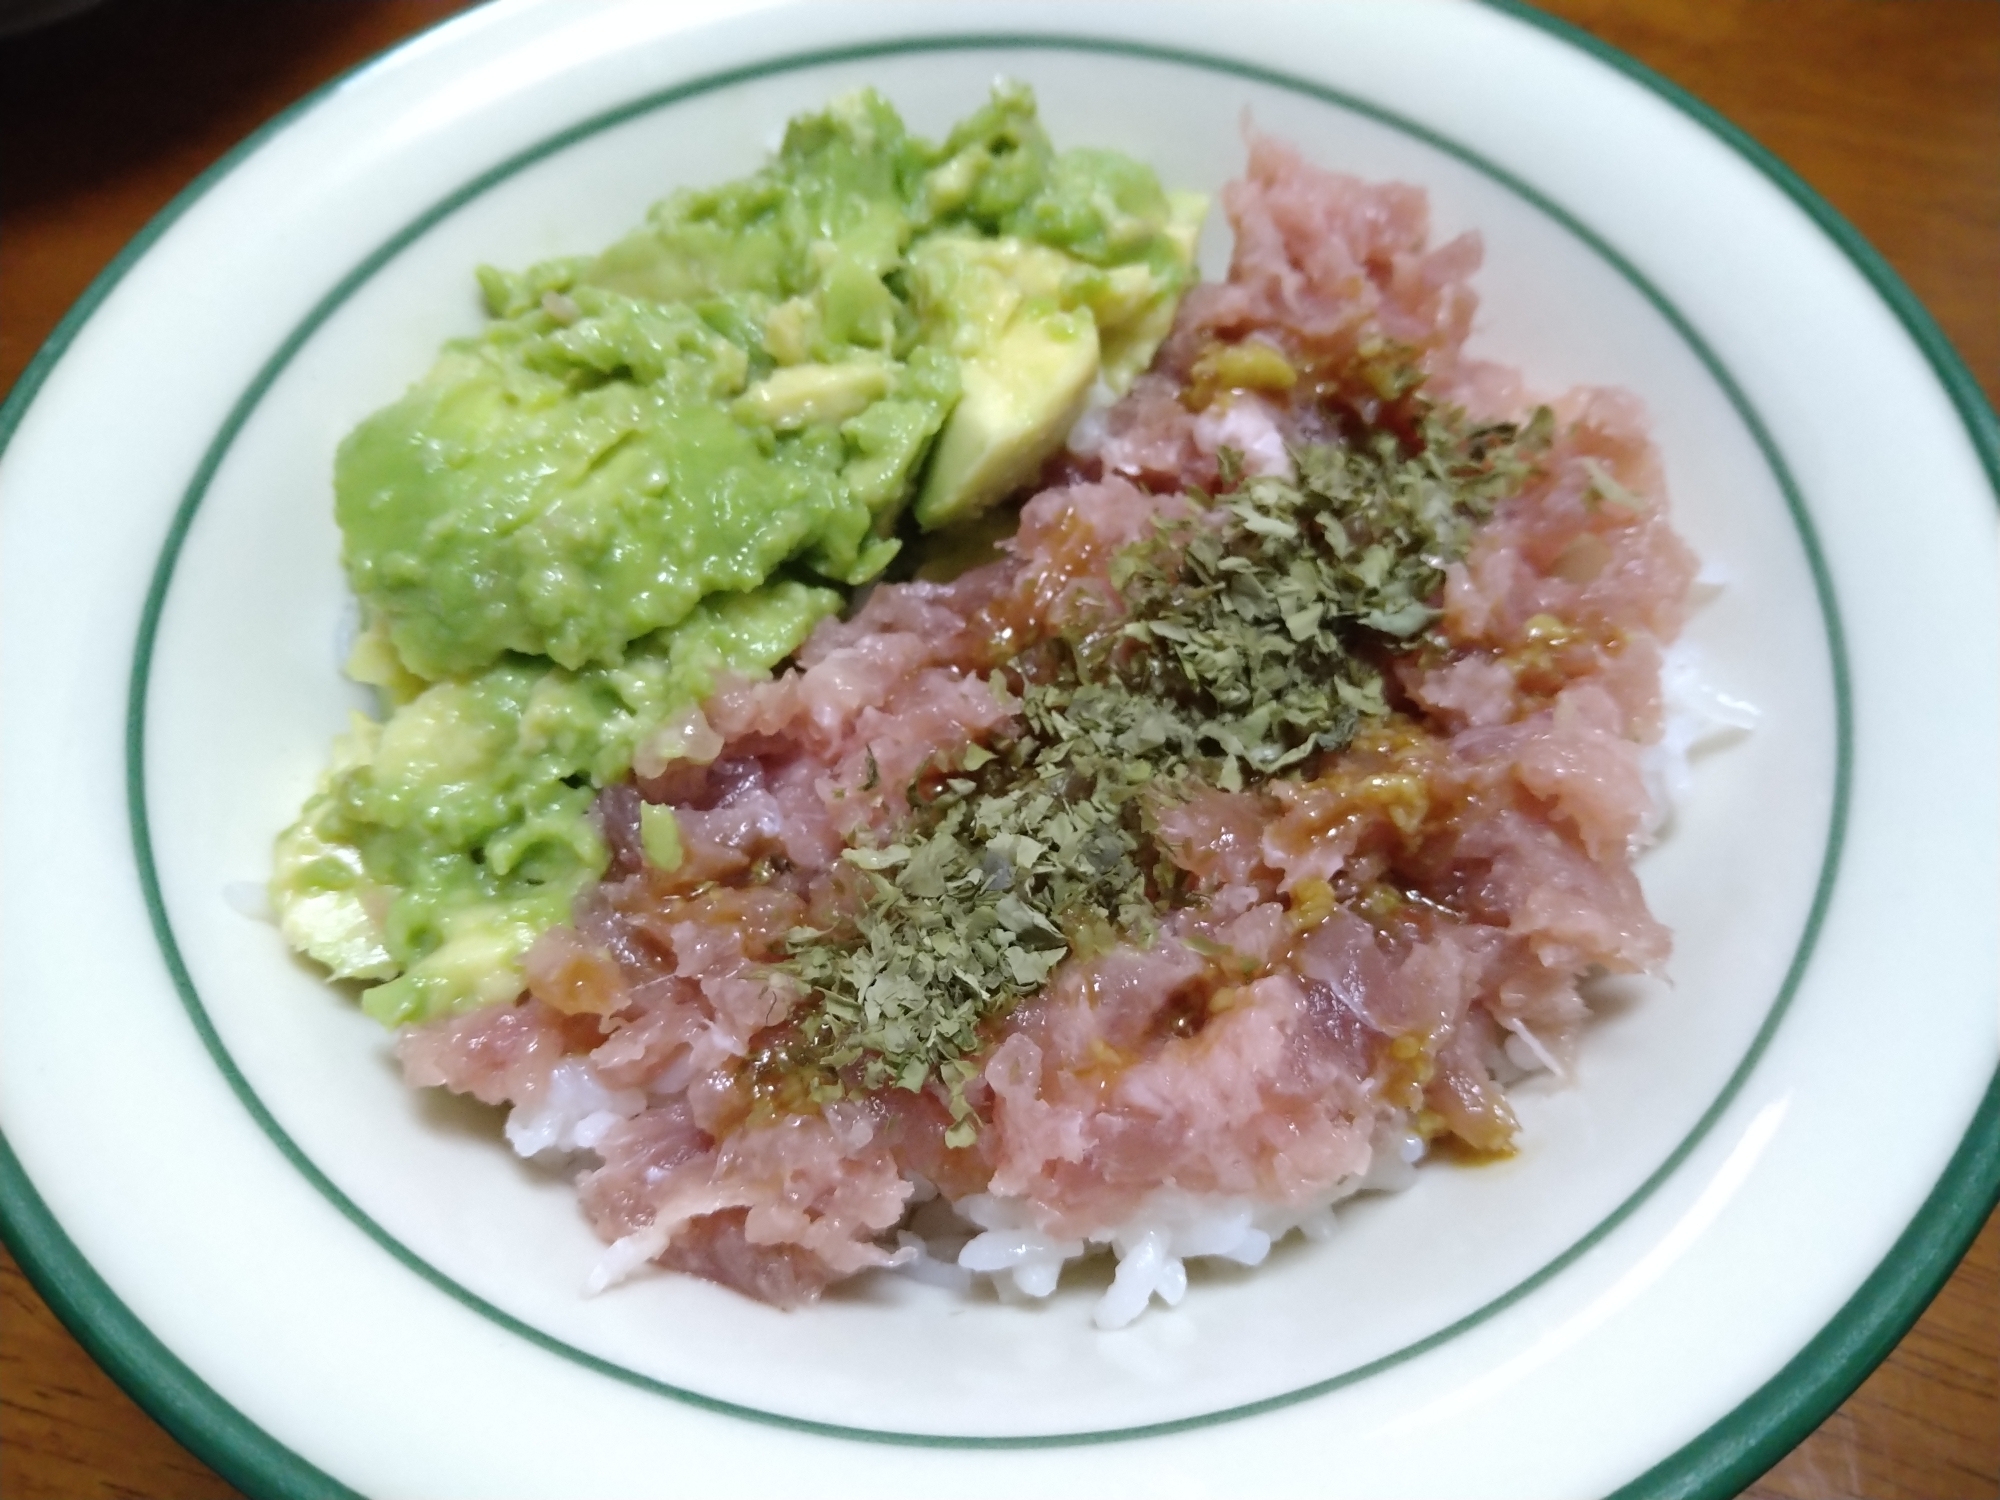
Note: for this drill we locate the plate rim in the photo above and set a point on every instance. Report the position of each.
(1730, 1451)
(1566, 220)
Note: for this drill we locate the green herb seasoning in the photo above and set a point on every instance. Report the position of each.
(1252, 641)
(1024, 853)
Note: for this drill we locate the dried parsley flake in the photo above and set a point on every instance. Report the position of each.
(1251, 642)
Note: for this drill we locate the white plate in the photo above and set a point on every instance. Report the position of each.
(320, 1280)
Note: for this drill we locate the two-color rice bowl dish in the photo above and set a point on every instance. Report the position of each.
(916, 734)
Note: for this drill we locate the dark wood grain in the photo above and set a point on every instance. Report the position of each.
(1891, 108)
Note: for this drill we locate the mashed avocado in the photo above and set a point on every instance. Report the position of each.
(439, 844)
(575, 519)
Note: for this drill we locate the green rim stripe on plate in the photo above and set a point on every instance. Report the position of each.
(1967, 397)
(1781, 1413)
(1730, 1455)
(247, 404)
(178, 1399)
(1936, 1236)
(170, 1393)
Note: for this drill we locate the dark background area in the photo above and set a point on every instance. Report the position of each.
(1890, 108)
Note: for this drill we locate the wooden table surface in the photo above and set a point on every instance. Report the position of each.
(1891, 108)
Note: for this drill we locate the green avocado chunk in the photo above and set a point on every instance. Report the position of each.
(1028, 355)
(440, 843)
(1034, 329)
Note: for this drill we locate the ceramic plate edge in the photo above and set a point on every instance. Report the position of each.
(1730, 1452)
